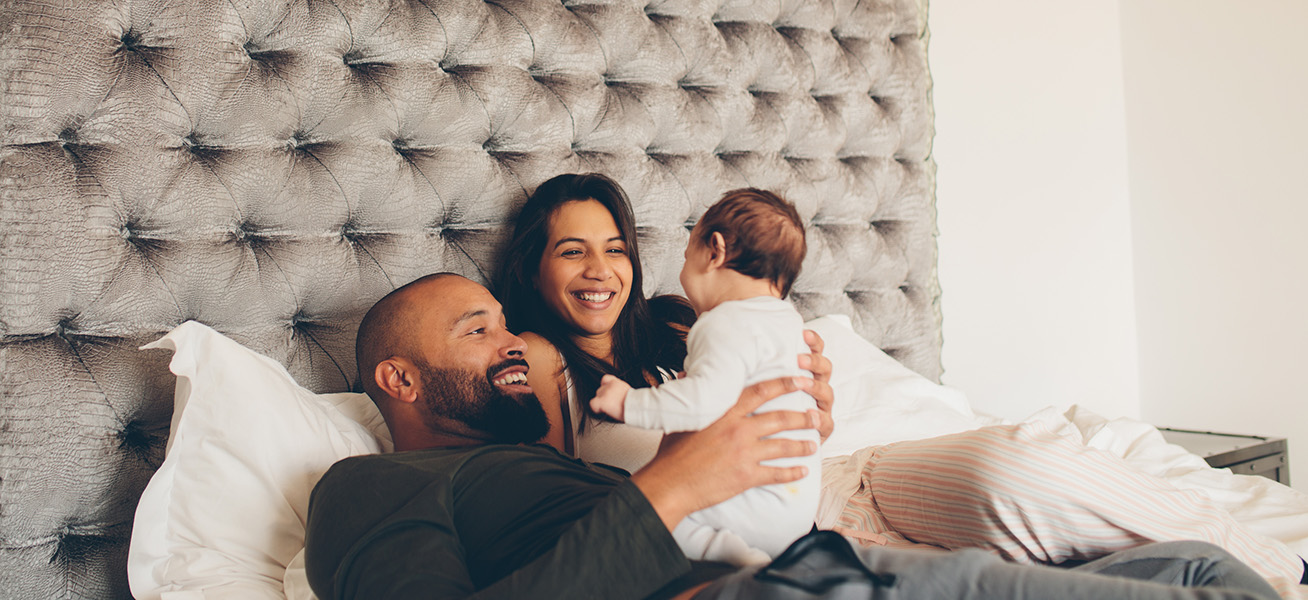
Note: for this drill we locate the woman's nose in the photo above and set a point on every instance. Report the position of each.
(597, 268)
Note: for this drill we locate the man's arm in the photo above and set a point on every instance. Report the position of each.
(623, 548)
(619, 549)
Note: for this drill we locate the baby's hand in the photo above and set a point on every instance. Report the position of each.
(610, 397)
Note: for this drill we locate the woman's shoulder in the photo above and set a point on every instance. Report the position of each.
(542, 350)
(548, 381)
(535, 339)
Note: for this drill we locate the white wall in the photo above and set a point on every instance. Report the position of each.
(1050, 254)
(1035, 239)
(1217, 114)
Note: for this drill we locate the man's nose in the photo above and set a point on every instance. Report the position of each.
(513, 347)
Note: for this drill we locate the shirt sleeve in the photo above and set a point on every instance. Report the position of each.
(717, 365)
(620, 549)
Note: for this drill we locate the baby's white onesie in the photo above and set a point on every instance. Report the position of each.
(737, 344)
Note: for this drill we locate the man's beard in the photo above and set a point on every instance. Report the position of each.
(476, 402)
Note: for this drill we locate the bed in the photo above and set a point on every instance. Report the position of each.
(261, 171)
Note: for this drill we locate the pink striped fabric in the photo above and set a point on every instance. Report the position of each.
(1033, 496)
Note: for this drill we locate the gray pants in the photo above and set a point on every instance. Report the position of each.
(823, 565)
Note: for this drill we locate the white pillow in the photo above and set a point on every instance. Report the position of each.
(879, 400)
(224, 515)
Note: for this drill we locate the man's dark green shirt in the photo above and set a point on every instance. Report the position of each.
(486, 522)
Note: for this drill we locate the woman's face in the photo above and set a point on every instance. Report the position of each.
(585, 273)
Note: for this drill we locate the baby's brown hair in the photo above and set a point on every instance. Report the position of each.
(763, 232)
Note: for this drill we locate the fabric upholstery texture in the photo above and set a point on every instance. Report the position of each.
(272, 167)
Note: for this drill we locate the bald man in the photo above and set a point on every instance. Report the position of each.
(469, 506)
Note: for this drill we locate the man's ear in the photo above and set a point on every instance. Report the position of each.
(397, 378)
(717, 250)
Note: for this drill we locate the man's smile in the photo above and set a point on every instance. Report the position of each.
(512, 377)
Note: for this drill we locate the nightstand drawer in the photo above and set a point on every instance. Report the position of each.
(1242, 454)
(1267, 466)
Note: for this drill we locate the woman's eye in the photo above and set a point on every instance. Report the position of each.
(617, 251)
(571, 252)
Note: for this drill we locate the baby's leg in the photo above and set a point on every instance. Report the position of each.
(769, 518)
(702, 542)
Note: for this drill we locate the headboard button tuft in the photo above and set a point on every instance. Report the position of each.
(68, 136)
(300, 141)
(403, 147)
(77, 548)
(131, 40)
(201, 148)
(244, 233)
(147, 445)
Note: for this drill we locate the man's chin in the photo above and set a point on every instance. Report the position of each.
(508, 414)
(517, 392)
(521, 420)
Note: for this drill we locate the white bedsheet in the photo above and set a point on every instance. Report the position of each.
(879, 401)
(1261, 504)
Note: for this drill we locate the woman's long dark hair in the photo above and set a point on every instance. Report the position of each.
(648, 335)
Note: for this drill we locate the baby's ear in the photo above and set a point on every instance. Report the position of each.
(717, 249)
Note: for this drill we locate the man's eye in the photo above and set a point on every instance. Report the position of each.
(477, 331)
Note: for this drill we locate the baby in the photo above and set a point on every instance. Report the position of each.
(742, 258)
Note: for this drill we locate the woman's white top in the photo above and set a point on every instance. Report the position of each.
(616, 444)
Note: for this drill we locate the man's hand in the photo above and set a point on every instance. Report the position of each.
(611, 397)
(696, 470)
(820, 367)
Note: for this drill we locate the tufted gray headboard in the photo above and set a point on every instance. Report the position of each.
(272, 167)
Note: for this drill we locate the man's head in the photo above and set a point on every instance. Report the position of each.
(436, 358)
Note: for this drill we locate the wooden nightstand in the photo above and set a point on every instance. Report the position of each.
(1242, 454)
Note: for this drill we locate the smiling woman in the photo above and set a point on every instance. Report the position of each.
(567, 284)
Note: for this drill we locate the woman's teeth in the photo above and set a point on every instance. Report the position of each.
(594, 296)
(511, 379)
